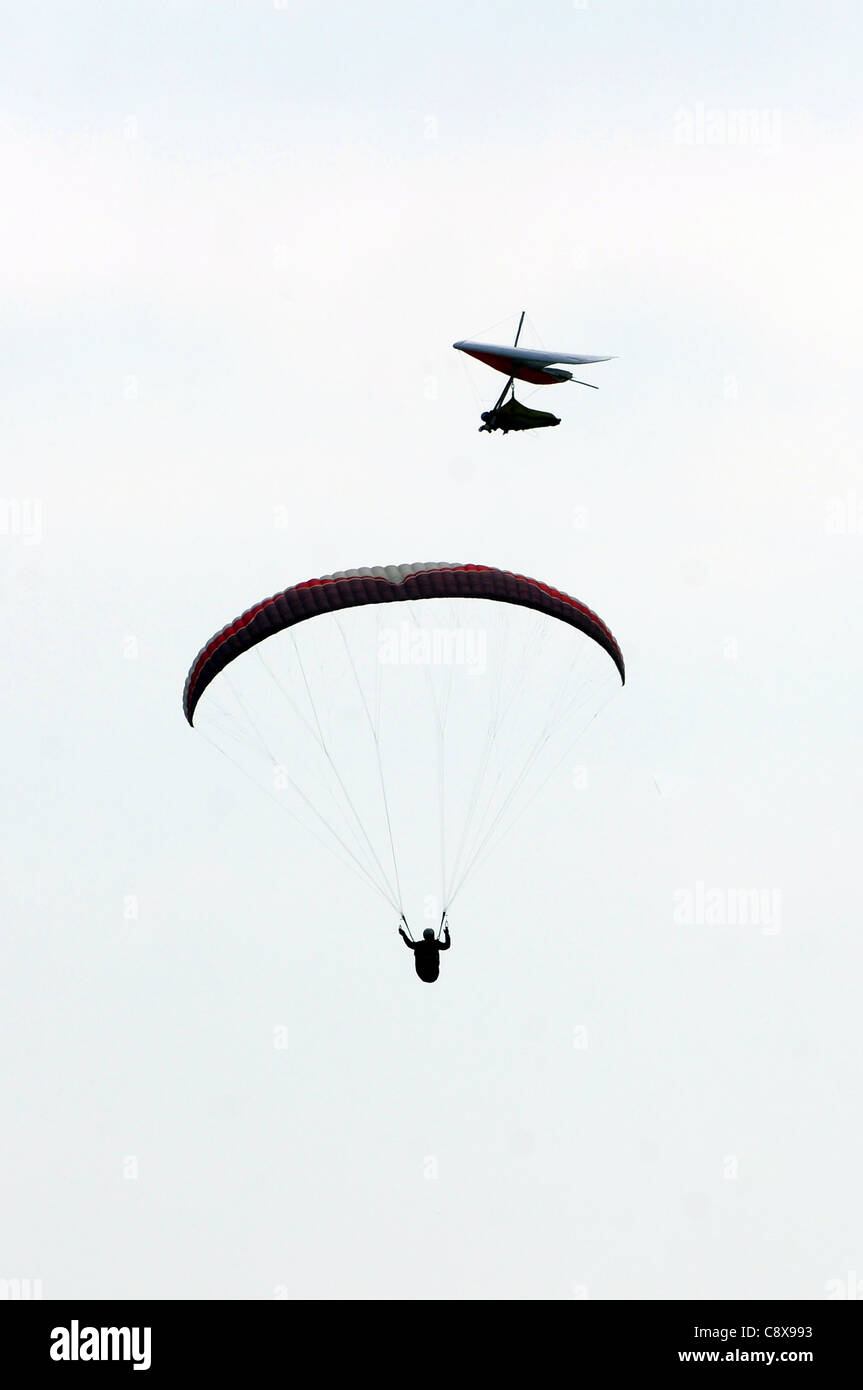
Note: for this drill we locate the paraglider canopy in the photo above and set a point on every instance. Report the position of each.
(405, 714)
(385, 584)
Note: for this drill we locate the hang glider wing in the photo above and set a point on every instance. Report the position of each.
(526, 364)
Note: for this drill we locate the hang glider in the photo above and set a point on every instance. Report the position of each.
(525, 364)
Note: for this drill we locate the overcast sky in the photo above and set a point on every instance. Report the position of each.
(236, 247)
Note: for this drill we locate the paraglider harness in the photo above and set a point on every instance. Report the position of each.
(443, 923)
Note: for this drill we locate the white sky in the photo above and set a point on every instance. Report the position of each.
(237, 244)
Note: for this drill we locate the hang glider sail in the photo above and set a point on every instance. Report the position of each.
(524, 364)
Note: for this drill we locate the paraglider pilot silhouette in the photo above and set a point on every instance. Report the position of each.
(427, 951)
